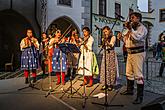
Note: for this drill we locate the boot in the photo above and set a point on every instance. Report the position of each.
(63, 78)
(90, 81)
(85, 81)
(161, 69)
(58, 78)
(139, 98)
(26, 80)
(110, 88)
(130, 88)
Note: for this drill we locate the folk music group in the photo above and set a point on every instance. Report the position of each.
(54, 60)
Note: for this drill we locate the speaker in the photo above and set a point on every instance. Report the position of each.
(157, 104)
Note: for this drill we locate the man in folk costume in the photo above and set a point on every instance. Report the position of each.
(88, 65)
(135, 44)
(59, 65)
(29, 57)
(111, 65)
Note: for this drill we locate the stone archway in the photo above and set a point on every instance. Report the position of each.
(62, 23)
(12, 29)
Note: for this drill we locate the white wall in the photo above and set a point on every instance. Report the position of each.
(125, 5)
(158, 26)
(75, 12)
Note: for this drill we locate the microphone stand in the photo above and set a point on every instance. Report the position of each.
(51, 89)
(61, 53)
(50, 82)
(31, 85)
(84, 96)
(69, 50)
(105, 104)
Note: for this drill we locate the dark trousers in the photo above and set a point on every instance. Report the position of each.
(43, 66)
(162, 68)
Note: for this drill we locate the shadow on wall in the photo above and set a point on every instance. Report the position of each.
(12, 29)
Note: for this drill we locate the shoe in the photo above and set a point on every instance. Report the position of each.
(83, 84)
(110, 88)
(26, 80)
(139, 97)
(89, 85)
(138, 100)
(57, 83)
(63, 83)
(127, 92)
(130, 88)
(103, 88)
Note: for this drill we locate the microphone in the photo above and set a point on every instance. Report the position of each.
(119, 16)
(97, 28)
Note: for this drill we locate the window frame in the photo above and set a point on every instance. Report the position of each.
(160, 17)
(119, 13)
(104, 8)
(60, 4)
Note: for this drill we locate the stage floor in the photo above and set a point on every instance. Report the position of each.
(32, 99)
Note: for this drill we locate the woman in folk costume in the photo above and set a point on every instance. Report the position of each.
(29, 57)
(87, 63)
(58, 58)
(73, 58)
(111, 59)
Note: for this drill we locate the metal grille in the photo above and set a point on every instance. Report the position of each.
(43, 15)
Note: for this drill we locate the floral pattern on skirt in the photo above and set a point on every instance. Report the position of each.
(111, 70)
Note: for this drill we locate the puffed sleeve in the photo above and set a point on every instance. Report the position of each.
(113, 41)
(90, 43)
(139, 34)
(22, 44)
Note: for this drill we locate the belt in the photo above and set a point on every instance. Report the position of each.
(135, 50)
(88, 50)
(109, 50)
